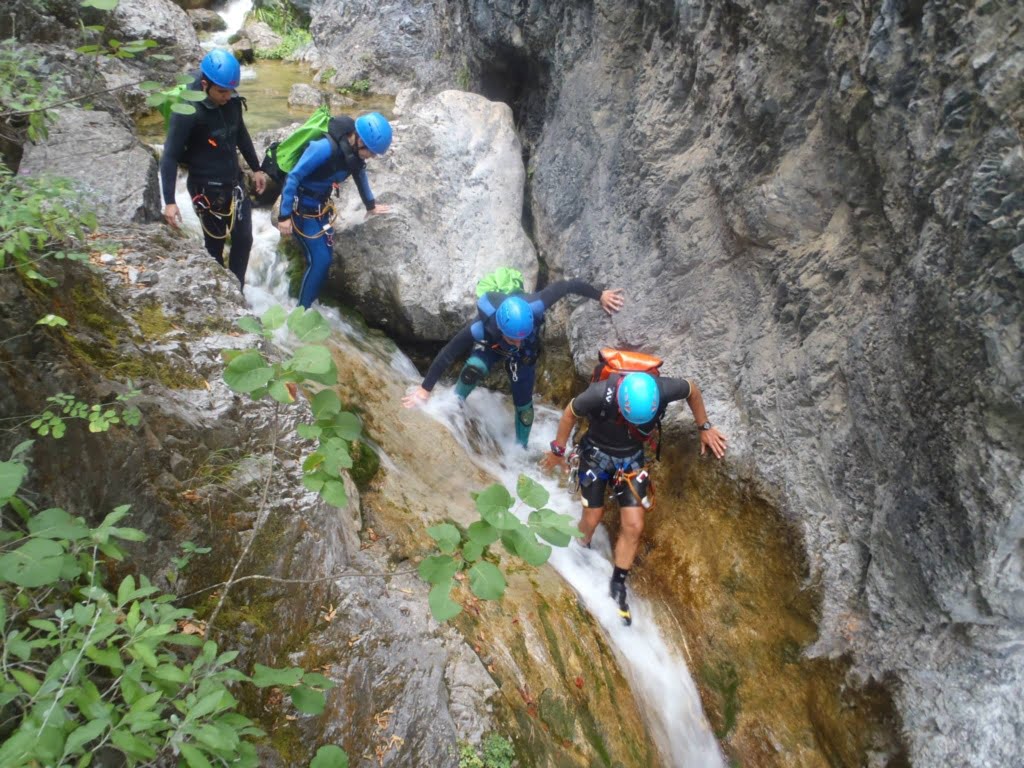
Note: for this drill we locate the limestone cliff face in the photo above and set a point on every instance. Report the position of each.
(817, 211)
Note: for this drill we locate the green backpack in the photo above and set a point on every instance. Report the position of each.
(282, 155)
(502, 280)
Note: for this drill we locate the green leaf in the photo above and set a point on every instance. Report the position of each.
(265, 677)
(347, 426)
(249, 325)
(103, 5)
(132, 746)
(483, 533)
(493, 504)
(189, 95)
(325, 403)
(447, 537)
(441, 605)
(248, 372)
(310, 359)
(486, 581)
(308, 701)
(330, 756)
(274, 317)
(125, 590)
(532, 493)
(12, 473)
(318, 681)
(438, 569)
(51, 320)
(472, 551)
(193, 757)
(55, 523)
(217, 738)
(26, 680)
(83, 735)
(308, 431)
(34, 564)
(333, 492)
(278, 390)
(522, 543)
(309, 325)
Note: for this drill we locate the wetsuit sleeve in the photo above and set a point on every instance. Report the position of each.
(246, 148)
(460, 344)
(589, 401)
(362, 182)
(317, 153)
(178, 131)
(674, 389)
(563, 288)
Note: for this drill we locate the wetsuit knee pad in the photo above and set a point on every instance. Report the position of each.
(472, 372)
(524, 423)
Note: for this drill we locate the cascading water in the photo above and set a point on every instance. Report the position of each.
(483, 426)
(234, 14)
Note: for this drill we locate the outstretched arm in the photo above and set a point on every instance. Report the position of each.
(709, 438)
(565, 425)
(460, 344)
(611, 300)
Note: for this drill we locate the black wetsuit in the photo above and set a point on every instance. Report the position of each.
(612, 444)
(207, 142)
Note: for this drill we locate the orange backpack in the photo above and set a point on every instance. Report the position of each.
(611, 361)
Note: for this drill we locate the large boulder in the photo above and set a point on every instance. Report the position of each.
(455, 177)
(159, 20)
(205, 20)
(101, 154)
(259, 33)
(390, 43)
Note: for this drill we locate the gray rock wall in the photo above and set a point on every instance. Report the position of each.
(817, 210)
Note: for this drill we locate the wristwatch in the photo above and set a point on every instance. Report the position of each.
(557, 449)
(705, 426)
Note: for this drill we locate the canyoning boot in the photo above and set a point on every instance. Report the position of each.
(618, 592)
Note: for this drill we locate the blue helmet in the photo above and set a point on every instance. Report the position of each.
(515, 318)
(221, 68)
(375, 131)
(638, 397)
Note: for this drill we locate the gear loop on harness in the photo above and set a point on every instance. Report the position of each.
(327, 210)
(203, 207)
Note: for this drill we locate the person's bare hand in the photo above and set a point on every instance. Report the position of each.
(713, 439)
(172, 216)
(549, 461)
(259, 181)
(417, 397)
(285, 227)
(612, 300)
(378, 209)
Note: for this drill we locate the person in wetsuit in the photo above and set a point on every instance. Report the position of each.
(508, 329)
(207, 142)
(306, 211)
(624, 411)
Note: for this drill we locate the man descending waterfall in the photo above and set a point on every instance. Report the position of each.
(306, 208)
(507, 328)
(208, 141)
(624, 412)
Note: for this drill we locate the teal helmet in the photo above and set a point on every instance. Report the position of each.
(220, 67)
(515, 318)
(375, 131)
(638, 397)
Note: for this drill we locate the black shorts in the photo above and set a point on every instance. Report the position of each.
(597, 470)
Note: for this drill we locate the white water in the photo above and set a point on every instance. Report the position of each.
(653, 663)
(234, 14)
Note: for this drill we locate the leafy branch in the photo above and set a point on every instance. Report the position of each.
(465, 553)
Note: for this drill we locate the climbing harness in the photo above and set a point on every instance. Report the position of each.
(203, 207)
(626, 470)
(328, 211)
(573, 482)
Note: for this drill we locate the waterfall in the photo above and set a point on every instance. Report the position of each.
(656, 670)
(233, 13)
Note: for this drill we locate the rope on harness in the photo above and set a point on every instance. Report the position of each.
(627, 477)
(328, 210)
(203, 208)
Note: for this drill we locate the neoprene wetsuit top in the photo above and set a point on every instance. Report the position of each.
(486, 330)
(206, 141)
(311, 181)
(613, 434)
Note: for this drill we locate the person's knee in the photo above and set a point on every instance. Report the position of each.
(472, 373)
(631, 527)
